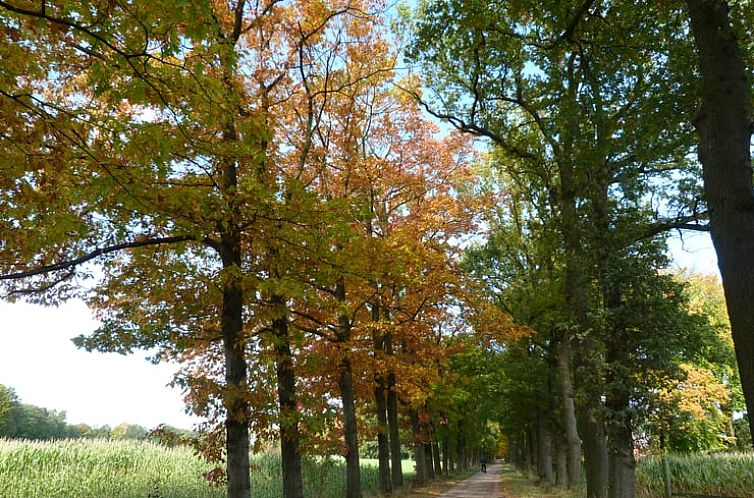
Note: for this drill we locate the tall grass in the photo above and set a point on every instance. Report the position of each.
(724, 474)
(131, 469)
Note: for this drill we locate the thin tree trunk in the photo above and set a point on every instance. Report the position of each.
(437, 458)
(353, 471)
(544, 450)
(460, 451)
(527, 453)
(293, 486)
(380, 401)
(396, 458)
(724, 124)
(419, 457)
(445, 456)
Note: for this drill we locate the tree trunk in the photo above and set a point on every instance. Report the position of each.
(419, 457)
(527, 453)
(383, 446)
(290, 453)
(236, 422)
(353, 471)
(595, 448)
(437, 458)
(380, 401)
(561, 458)
(622, 477)
(429, 461)
(396, 458)
(573, 442)
(724, 124)
(544, 450)
(446, 456)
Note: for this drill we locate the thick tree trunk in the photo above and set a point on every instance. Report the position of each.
(622, 480)
(429, 464)
(392, 421)
(573, 441)
(236, 422)
(350, 430)
(290, 453)
(561, 458)
(724, 124)
(353, 471)
(544, 450)
(592, 430)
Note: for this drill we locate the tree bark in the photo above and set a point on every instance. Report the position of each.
(544, 450)
(724, 124)
(383, 445)
(592, 430)
(353, 471)
(622, 475)
(419, 456)
(234, 345)
(234, 399)
(293, 486)
(380, 401)
(429, 461)
(396, 458)
(561, 458)
(437, 458)
(573, 442)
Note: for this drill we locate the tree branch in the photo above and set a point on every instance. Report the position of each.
(101, 252)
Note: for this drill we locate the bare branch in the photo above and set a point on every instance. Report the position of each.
(64, 265)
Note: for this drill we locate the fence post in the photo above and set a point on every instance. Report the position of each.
(666, 476)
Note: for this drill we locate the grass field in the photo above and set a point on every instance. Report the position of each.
(722, 475)
(130, 469)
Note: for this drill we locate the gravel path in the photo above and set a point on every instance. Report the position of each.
(478, 486)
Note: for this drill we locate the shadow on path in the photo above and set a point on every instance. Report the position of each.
(478, 486)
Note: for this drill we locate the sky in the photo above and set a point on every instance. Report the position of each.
(38, 359)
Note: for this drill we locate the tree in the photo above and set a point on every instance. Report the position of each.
(564, 98)
(147, 151)
(724, 124)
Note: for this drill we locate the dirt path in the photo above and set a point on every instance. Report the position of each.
(478, 486)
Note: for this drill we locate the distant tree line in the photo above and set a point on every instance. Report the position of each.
(24, 421)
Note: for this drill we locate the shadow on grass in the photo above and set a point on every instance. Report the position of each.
(517, 485)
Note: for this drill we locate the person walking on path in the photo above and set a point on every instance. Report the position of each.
(481, 485)
(484, 465)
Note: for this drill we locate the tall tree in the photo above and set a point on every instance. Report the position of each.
(147, 150)
(724, 124)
